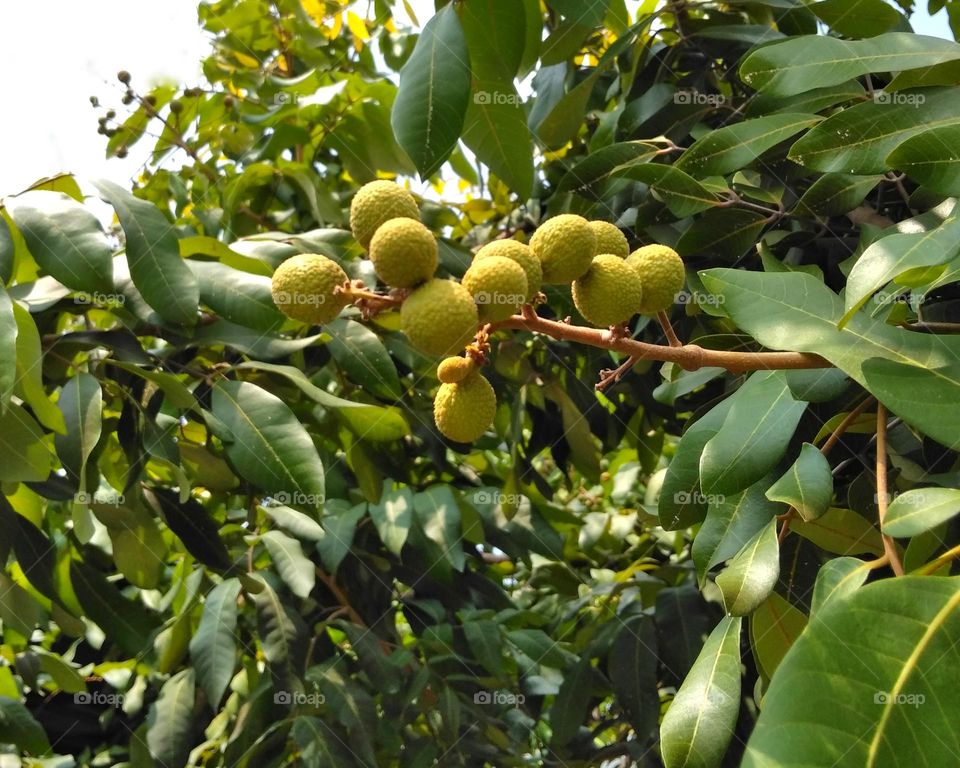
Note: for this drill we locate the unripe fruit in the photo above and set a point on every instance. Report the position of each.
(303, 288)
(565, 246)
(465, 410)
(610, 239)
(610, 293)
(176, 107)
(454, 369)
(439, 318)
(404, 253)
(498, 285)
(123, 76)
(520, 253)
(661, 272)
(376, 203)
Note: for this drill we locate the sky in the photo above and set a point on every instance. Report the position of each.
(55, 54)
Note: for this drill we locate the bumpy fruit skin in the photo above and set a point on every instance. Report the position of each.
(376, 203)
(404, 253)
(303, 288)
(520, 253)
(465, 410)
(565, 246)
(610, 293)
(498, 285)
(661, 272)
(610, 239)
(455, 369)
(439, 318)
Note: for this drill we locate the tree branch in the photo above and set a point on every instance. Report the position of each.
(889, 547)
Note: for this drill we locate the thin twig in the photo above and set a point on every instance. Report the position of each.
(667, 326)
(888, 544)
(610, 376)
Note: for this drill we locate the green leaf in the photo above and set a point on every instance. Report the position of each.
(496, 33)
(65, 239)
(571, 703)
(681, 193)
(815, 61)
(256, 344)
(739, 145)
(726, 233)
(177, 393)
(699, 723)
(914, 512)
(774, 627)
(928, 158)
(859, 139)
(81, 402)
(857, 18)
(754, 436)
(807, 485)
(842, 532)
(281, 630)
(318, 744)
(587, 14)
(428, 112)
(604, 164)
(19, 611)
(393, 517)
(893, 255)
(18, 727)
(683, 623)
(339, 530)
(8, 250)
(161, 276)
(125, 622)
(192, 525)
(29, 384)
(213, 647)
(293, 566)
(171, 721)
(496, 130)
(26, 457)
(848, 692)
(361, 354)
(750, 576)
(835, 193)
(64, 675)
(632, 670)
(266, 443)
(838, 578)
(486, 644)
(237, 296)
(438, 513)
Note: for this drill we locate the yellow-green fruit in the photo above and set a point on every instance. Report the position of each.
(465, 410)
(454, 369)
(520, 253)
(376, 203)
(303, 288)
(498, 285)
(439, 318)
(565, 246)
(610, 239)
(661, 273)
(404, 253)
(610, 293)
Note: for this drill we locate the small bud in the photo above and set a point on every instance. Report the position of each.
(101, 130)
(123, 76)
(111, 114)
(228, 101)
(121, 152)
(150, 99)
(176, 107)
(102, 120)
(127, 99)
(94, 101)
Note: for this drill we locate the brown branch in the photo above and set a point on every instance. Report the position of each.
(690, 357)
(667, 326)
(610, 376)
(932, 326)
(889, 547)
(341, 597)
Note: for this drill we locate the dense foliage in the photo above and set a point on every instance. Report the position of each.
(229, 538)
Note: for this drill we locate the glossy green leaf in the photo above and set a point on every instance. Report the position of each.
(161, 276)
(632, 670)
(588, 14)
(775, 626)
(486, 644)
(29, 384)
(431, 104)
(171, 721)
(81, 402)
(604, 164)
(26, 456)
(725, 233)
(699, 723)
(194, 527)
(928, 158)
(835, 193)
(842, 532)
(857, 18)
(734, 147)
(681, 193)
(806, 62)
(496, 33)
(751, 574)
(66, 240)
(339, 530)
(571, 702)
(438, 513)
(496, 131)
(318, 744)
(266, 443)
(837, 579)
(807, 486)
(8, 349)
(293, 566)
(916, 511)
(393, 517)
(18, 727)
(237, 296)
(850, 693)
(359, 351)
(213, 647)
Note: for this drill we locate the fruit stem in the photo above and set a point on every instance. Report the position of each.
(889, 548)
(667, 326)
